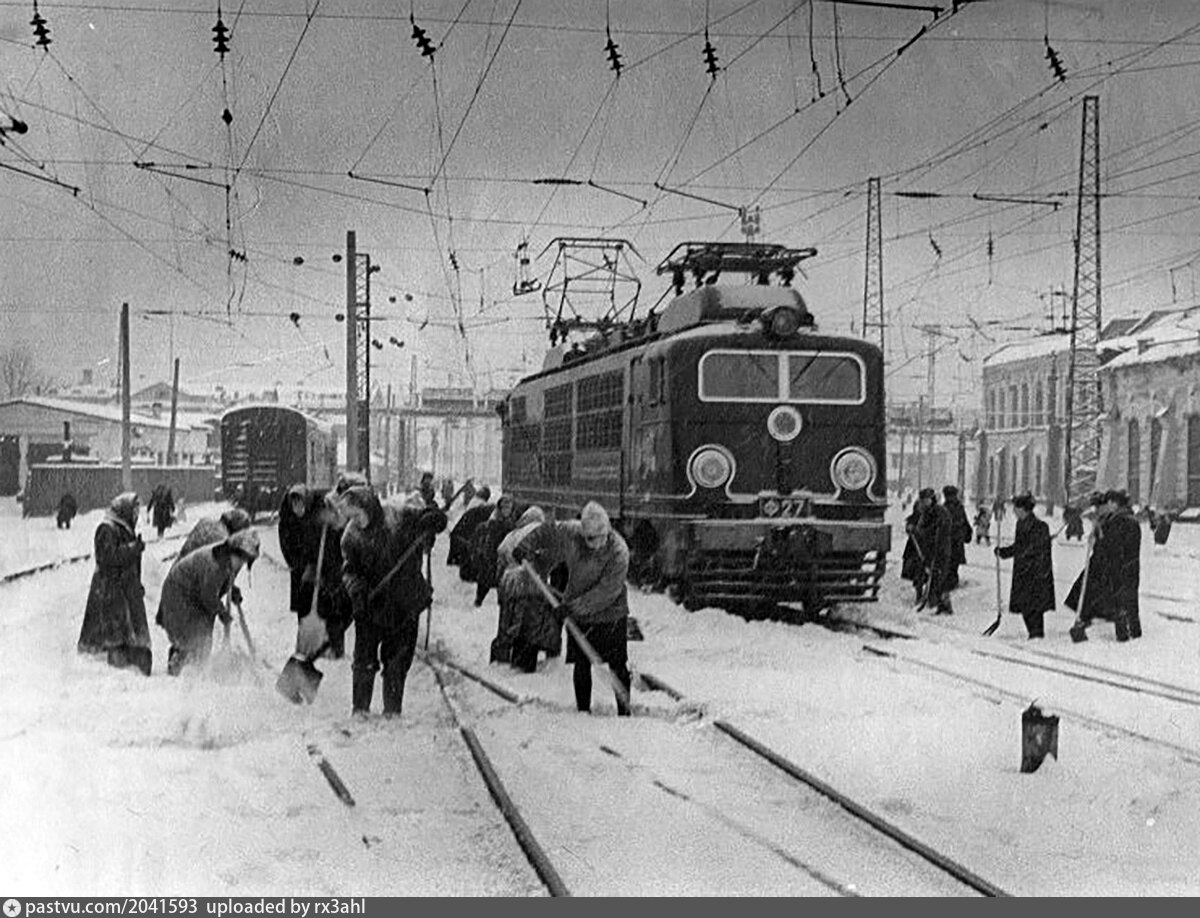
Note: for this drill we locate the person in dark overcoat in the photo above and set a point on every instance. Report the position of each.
(486, 542)
(596, 594)
(1032, 593)
(1160, 526)
(161, 508)
(912, 564)
(935, 535)
(191, 597)
(427, 489)
(1095, 584)
(526, 623)
(211, 530)
(303, 515)
(983, 525)
(960, 534)
(114, 620)
(477, 512)
(1124, 535)
(67, 508)
(1073, 522)
(375, 540)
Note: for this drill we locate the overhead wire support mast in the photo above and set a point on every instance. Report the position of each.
(873, 314)
(1084, 399)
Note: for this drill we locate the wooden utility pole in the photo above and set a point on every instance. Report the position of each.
(126, 434)
(387, 443)
(174, 413)
(351, 354)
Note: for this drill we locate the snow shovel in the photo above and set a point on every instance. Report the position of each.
(300, 679)
(1078, 630)
(991, 629)
(574, 630)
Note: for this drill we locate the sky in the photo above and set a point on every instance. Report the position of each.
(112, 784)
(128, 186)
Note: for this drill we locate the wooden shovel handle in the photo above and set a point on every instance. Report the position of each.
(577, 633)
(312, 608)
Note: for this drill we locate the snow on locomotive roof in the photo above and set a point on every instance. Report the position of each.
(712, 303)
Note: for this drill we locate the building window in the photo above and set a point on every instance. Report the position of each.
(1193, 460)
(1051, 396)
(1000, 409)
(1037, 475)
(1013, 408)
(1025, 420)
(1039, 405)
(990, 411)
(1135, 461)
(1155, 447)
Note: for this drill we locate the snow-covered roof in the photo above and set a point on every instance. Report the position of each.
(1040, 346)
(1176, 336)
(92, 410)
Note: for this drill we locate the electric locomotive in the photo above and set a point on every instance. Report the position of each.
(740, 451)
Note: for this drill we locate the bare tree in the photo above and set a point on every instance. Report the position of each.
(19, 374)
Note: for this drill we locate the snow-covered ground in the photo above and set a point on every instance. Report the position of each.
(114, 784)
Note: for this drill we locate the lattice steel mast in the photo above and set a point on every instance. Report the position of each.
(1084, 400)
(873, 282)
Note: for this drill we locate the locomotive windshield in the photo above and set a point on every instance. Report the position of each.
(812, 377)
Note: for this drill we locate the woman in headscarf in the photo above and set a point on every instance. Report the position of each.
(304, 515)
(527, 624)
(114, 622)
(485, 543)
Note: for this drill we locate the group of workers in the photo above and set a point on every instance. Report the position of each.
(357, 560)
(1106, 589)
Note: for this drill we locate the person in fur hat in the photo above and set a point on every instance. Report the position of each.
(191, 598)
(114, 620)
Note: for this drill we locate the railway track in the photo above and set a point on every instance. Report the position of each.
(1127, 682)
(1068, 667)
(44, 566)
(799, 839)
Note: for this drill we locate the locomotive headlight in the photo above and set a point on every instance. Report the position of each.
(710, 467)
(852, 469)
(782, 322)
(784, 423)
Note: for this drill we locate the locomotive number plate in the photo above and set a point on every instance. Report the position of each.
(784, 507)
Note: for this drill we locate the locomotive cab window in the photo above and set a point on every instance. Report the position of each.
(809, 377)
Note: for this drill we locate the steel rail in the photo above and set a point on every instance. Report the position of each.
(1180, 698)
(1190, 754)
(895, 833)
(524, 836)
(1087, 664)
(939, 860)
